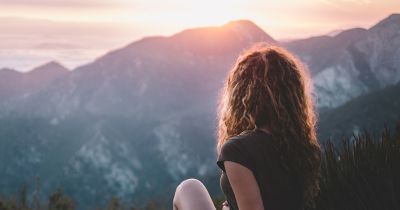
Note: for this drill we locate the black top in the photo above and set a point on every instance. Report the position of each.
(255, 150)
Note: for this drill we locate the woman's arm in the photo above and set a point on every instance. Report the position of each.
(244, 186)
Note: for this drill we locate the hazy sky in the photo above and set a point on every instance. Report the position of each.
(77, 31)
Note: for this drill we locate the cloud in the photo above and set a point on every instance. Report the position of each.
(62, 3)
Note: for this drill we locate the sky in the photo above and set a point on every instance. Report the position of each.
(75, 32)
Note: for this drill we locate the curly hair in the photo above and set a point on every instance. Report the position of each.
(269, 87)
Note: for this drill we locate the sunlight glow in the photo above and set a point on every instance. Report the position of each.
(300, 18)
(56, 29)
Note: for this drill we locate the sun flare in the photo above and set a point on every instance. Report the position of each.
(211, 12)
(95, 26)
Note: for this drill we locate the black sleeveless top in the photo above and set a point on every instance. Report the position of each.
(255, 150)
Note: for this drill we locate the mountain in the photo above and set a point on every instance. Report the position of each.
(371, 111)
(46, 72)
(139, 119)
(136, 120)
(14, 84)
(8, 86)
(353, 62)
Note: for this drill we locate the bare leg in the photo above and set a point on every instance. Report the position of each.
(191, 194)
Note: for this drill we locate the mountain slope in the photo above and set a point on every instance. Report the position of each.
(8, 86)
(141, 118)
(138, 119)
(323, 51)
(352, 63)
(370, 111)
(14, 84)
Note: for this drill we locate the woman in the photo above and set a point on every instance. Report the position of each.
(267, 146)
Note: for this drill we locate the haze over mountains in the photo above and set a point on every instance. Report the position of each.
(353, 62)
(139, 119)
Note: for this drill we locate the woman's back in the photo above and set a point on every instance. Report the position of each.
(256, 151)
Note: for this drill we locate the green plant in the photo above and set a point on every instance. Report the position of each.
(361, 173)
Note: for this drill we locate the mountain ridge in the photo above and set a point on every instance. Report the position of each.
(51, 65)
(141, 118)
(353, 62)
(120, 111)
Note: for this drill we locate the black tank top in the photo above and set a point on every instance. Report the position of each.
(255, 150)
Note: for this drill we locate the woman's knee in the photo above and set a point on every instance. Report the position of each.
(192, 194)
(189, 185)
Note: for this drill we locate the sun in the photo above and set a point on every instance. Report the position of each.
(184, 13)
(214, 12)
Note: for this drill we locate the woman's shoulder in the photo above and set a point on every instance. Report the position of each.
(243, 148)
(250, 137)
(250, 142)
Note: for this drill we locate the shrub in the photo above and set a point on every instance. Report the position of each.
(361, 173)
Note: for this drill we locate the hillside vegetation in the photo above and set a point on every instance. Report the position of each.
(361, 172)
